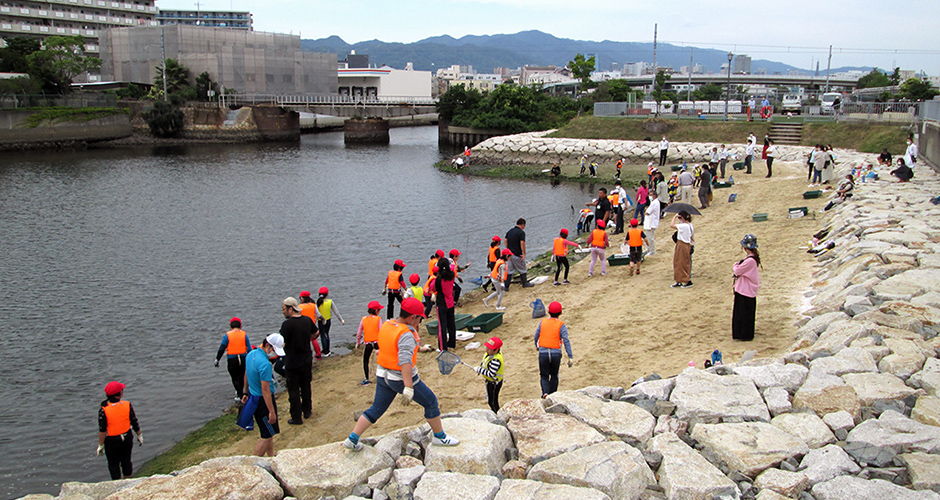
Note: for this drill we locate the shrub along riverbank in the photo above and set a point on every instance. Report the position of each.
(631, 175)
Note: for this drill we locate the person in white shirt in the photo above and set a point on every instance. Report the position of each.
(686, 181)
(910, 155)
(663, 150)
(651, 222)
(722, 160)
(620, 195)
(771, 152)
(749, 152)
(751, 103)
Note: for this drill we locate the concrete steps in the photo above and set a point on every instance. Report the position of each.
(786, 133)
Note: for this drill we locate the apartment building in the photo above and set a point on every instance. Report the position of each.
(240, 20)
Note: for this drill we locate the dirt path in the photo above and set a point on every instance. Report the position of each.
(621, 327)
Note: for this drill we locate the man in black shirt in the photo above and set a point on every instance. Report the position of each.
(297, 331)
(601, 206)
(515, 242)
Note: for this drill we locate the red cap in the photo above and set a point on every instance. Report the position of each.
(413, 306)
(400, 262)
(455, 253)
(564, 232)
(634, 222)
(324, 290)
(440, 253)
(497, 238)
(234, 320)
(554, 308)
(601, 224)
(113, 388)
(507, 251)
(494, 343)
(375, 305)
(305, 293)
(414, 278)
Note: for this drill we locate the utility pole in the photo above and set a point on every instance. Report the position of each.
(828, 66)
(163, 52)
(690, 74)
(728, 94)
(655, 31)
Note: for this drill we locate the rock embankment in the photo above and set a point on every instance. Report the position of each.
(534, 148)
(850, 412)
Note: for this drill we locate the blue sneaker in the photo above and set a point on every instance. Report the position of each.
(365, 382)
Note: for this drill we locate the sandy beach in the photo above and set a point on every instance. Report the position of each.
(622, 327)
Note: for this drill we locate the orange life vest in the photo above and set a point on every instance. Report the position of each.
(560, 249)
(393, 281)
(370, 328)
(614, 199)
(118, 416)
(389, 334)
(494, 253)
(237, 342)
(619, 163)
(550, 333)
(309, 309)
(635, 237)
(499, 270)
(431, 264)
(597, 237)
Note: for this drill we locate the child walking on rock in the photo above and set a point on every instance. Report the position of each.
(491, 368)
(549, 336)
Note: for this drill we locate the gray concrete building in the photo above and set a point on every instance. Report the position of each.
(239, 20)
(251, 62)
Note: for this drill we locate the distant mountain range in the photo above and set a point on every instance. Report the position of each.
(533, 48)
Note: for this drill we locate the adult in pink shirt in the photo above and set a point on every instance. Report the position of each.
(642, 201)
(746, 284)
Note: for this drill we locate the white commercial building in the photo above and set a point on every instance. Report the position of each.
(385, 84)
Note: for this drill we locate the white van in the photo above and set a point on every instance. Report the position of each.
(792, 103)
(831, 101)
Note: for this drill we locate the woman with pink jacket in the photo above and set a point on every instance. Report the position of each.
(746, 284)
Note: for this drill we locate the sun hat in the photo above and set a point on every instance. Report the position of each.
(601, 224)
(375, 305)
(234, 319)
(324, 290)
(507, 251)
(305, 293)
(400, 263)
(554, 308)
(440, 253)
(497, 238)
(113, 388)
(455, 253)
(291, 303)
(493, 343)
(634, 222)
(749, 242)
(414, 278)
(413, 306)
(276, 341)
(564, 231)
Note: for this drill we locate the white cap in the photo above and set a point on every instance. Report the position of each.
(276, 341)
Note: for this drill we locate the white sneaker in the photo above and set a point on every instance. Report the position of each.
(485, 304)
(447, 441)
(349, 445)
(500, 308)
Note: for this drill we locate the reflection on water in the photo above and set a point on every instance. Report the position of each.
(127, 264)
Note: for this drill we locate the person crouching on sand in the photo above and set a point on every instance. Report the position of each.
(396, 373)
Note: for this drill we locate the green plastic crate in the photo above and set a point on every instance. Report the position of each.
(797, 212)
(810, 195)
(675, 168)
(759, 217)
(485, 322)
(720, 185)
(738, 166)
(460, 321)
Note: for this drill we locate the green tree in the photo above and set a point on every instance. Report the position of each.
(21, 85)
(132, 91)
(508, 107)
(896, 76)
(658, 94)
(13, 56)
(165, 119)
(582, 68)
(61, 59)
(457, 99)
(616, 91)
(177, 76)
(917, 89)
(204, 84)
(709, 92)
(874, 79)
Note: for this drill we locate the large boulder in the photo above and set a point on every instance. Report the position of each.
(653, 389)
(482, 448)
(615, 468)
(927, 410)
(827, 394)
(749, 447)
(928, 378)
(706, 397)
(837, 336)
(456, 486)
(906, 358)
(235, 481)
(848, 360)
(687, 475)
(98, 491)
(523, 489)
(806, 426)
(924, 470)
(872, 388)
(786, 483)
(328, 470)
(854, 488)
(825, 463)
(549, 435)
(878, 441)
(789, 376)
(906, 285)
(629, 422)
(521, 408)
(777, 400)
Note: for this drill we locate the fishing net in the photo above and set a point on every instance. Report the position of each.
(446, 361)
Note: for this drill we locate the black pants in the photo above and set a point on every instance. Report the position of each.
(561, 261)
(492, 394)
(447, 327)
(770, 164)
(392, 297)
(742, 317)
(236, 370)
(548, 371)
(662, 156)
(298, 391)
(456, 292)
(367, 355)
(117, 449)
(618, 218)
(324, 327)
(428, 305)
(747, 163)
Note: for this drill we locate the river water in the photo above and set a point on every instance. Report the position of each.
(127, 265)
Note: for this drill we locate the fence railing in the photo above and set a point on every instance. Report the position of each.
(340, 100)
(929, 110)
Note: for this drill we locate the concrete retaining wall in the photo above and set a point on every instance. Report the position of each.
(15, 134)
(929, 144)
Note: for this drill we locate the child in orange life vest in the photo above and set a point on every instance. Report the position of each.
(327, 309)
(549, 337)
(368, 336)
(498, 276)
(309, 309)
(598, 241)
(491, 258)
(235, 345)
(560, 254)
(492, 368)
(394, 285)
(635, 238)
(116, 418)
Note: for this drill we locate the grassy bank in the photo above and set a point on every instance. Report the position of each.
(631, 175)
(864, 137)
(197, 447)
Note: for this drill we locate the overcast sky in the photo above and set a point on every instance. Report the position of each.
(878, 33)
